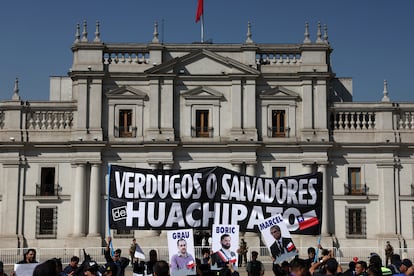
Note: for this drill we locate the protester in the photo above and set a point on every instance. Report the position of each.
(361, 268)
(255, 267)
(29, 257)
(120, 262)
(242, 253)
(52, 267)
(153, 258)
(299, 267)
(311, 257)
(389, 250)
(132, 248)
(73, 265)
(110, 269)
(161, 268)
(375, 266)
(2, 273)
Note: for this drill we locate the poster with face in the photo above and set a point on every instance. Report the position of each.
(181, 252)
(278, 239)
(225, 239)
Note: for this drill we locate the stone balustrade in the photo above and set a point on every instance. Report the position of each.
(278, 59)
(352, 120)
(121, 58)
(406, 120)
(49, 120)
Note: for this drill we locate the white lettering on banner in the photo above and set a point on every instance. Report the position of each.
(197, 214)
(175, 216)
(189, 214)
(152, 220)
(139, 214)
(242, 188)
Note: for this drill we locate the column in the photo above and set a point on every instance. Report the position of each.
(252, 238)
(168, 166)
(325, 203)
(251, 169)
(94, 200)
(150, 233)
(79, 202)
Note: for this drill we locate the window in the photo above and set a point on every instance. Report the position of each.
(47, 182)
(123, 233)
(356, 222)
(202, 123)
(354, 182)
(46, 222)
(278, 172)
(278, 123)
(125, 123)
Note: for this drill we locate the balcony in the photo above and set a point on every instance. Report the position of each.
(382, 122)
(356, 189)
(47, 194)
(48, 190)
(202, 132)
(277, 132)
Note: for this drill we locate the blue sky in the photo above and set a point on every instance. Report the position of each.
(372, 40)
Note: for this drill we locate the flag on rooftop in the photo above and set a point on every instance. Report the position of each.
(200, 10)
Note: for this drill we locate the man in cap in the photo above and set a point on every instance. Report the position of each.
(405, 265)
(90, 268)
(120, 262)
(110, 270)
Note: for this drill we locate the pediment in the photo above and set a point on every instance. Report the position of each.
(203, 62)
(126, 92)
(202, 92)
(279, 92)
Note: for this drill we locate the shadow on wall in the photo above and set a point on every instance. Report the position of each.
(341, 90)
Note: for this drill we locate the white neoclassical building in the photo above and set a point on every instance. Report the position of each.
(261, 109)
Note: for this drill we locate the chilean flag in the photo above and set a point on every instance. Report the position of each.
(290, 246)
(190, 264)
(139, 254)
(200, 10)
(307, 220)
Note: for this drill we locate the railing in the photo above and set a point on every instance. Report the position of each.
(353, 189)
(122, 132)
(202, 132)
(126, 58)
(49, 120)
(278, 59)
(10, 256)
(277, 132)
(48, 189)
(352, 120)
(405, 120)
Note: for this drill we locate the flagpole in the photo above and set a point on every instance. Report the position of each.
(202, 28)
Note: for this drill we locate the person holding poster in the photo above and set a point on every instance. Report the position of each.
(278, 239)
(181, 248)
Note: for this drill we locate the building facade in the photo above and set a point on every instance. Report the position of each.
(262, 109)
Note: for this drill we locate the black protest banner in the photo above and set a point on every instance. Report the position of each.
(198, 198)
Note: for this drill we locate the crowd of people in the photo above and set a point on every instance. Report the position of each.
(313, 265)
